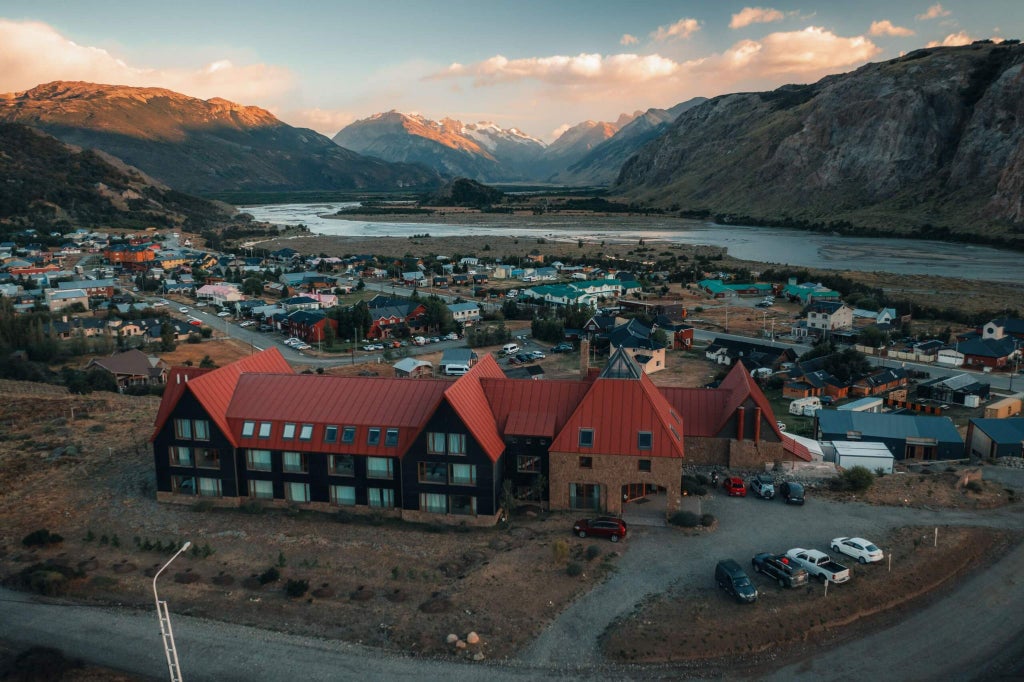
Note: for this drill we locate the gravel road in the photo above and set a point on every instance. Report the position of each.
(935, 643)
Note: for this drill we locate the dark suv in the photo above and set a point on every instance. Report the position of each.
(792, 492)
(780, 568)
(731, 578)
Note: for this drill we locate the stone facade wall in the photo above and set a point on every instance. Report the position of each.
(612, 472)
(750, 455)
(707, 451)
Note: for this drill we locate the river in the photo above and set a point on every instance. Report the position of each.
(762, 244)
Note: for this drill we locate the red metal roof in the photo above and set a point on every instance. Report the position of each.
(177, 379)
(742, 388)
(320, 400)
(524, 407)
(795, 447)
(702, 409)
(467, 398)
(617, 410)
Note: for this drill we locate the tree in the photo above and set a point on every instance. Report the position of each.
(168, 336)
(329, 335)
(252, 286)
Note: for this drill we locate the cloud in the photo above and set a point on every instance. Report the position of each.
(564, 70)
(887, 28)
(812, 50)
(325, 121)
(952, 40)
(683, 28)
(628, 39)
(557, 132)
(934, 12)
(33, 52)
(755, 15)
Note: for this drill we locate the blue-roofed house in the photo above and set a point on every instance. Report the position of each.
(996, 437)
(907, 436)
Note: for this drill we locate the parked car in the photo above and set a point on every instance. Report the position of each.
(781, 425)
(266, 327)
(792, 492)
(302, 346)
(223, 313)
(819, 564)
(536, 355)
(562, 348)
(602, 527)
(247, 323)
(860, 549)
(451, 336)
(369, 347)
(763, 485)
(524, 358)
(780, 568)
(826, 399)
(734, 486)
(734, 580)
(195, 322)
(182, 309)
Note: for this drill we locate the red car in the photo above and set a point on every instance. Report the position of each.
(602, 527)
(735, 487)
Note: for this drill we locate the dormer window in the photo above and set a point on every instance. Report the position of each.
(586, 438)
(289, 432)
(643, 440)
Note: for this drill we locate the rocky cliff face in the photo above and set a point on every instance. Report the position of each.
(929, 143)
(201, 145)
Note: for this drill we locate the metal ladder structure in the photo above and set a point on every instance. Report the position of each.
(168, 638)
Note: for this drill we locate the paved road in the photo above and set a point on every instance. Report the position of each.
(987, 614)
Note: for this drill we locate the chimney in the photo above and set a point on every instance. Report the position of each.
(584, 356)
(740, 411)
(757, 424)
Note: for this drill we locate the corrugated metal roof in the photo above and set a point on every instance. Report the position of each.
(363, 402)
(1002, 430)
(702, 409)
(883, 425)
(466, 396)
(177, 380)
(742, 389)
(541, 407)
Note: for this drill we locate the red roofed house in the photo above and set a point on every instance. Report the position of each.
(435, 449)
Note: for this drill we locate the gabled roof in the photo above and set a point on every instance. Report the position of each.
(617, 410)
(1002, 430)
(467, 398)
(132, 361)
(886, 425)
(177, 380)
(702, 409)
(988, 348)
(741, 389)
(621, 366)
(215, 389)
(533, 408)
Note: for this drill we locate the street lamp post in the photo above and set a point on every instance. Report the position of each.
(166, 634)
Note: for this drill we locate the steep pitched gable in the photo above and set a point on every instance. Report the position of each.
(467, 398)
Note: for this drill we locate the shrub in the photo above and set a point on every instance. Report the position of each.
(857, 479)
(685, 519)
(593, 551)
(281, 561)
(270, 575)
(560, 551)
(296, 588)
(41, 537)
(974, 486)
(707, 520)
(574, 569)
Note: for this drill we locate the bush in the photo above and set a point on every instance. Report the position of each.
(41, 537)
(593, 551)
(559, 551)
(974, 486)
(856, 479)
(296, 588)
(574, 569)
(685, 519)
(270, 575)
(707, 520)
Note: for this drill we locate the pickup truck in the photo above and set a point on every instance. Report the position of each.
(819, 564)
(780, 568)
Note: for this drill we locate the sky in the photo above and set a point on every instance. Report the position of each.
(539, 66)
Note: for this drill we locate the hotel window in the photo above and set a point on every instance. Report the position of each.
(644, 465)
(341, 465)
(183, 429)
(435, 443)
(209, 487)
(330, 434)
(262, 490)
(373, 436)
(584, 496)
(183, 485)
(391, 438)
(289, 432)
(306, 432)
(586, 438)
(463, 474)
(343, 495)
(207, 458)
(294, 462)
(202, 429)
(643, 440)
(586, 462)
(257, 460)
(248, 428)
(462, 504)
(348, 435)
(181, 457)
(528, 464)
(379, 467)
(264, 430)
(380, 497)
(296, 492)
(456, 443)
(433, 503)
(432, 472)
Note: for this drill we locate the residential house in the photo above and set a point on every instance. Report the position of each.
(907, 436)
(808, 383)
(413, 368)
(466, 314)
(716, 288)
(303, 302)
(62, 299)
(729, 351)
(637, 340)
(413, 278)
(601, 325)
(808, 293)
(681, 335)
(98, 288)
(384, 321)
(132, 368)
(992, 438)
(825, 317)
(1003, 327)
(962, 389)
(531, 372)
(309, 325)
(882, 381)
(220, 295)
(989, 352)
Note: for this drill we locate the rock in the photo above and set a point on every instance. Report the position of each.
(459, 644)
(472, 638)
(452, 638)
(478, 656)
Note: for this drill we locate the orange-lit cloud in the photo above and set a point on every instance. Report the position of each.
(683, 28)
(934, 12)
(952, 40)
(755, 15)
(325, 121)
(887, 28)
(628, 39)
(32, 53)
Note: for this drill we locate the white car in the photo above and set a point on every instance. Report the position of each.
(536, 355)
(182, 309)
(247, 323)
(302, 346)
(860, 549)
(294, 341)
(223, 313)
